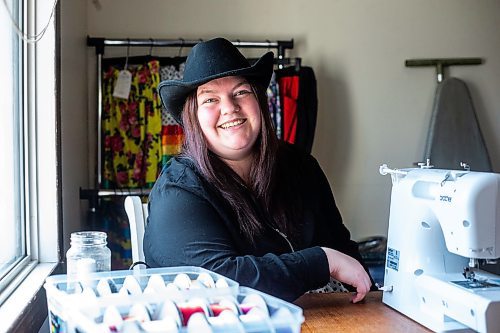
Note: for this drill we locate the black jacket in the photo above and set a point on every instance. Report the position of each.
(191, 224)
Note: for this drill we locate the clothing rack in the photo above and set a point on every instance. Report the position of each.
(93, 196)
(100, 45)
(88, 193)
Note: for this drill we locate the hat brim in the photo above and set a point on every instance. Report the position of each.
(173, 93)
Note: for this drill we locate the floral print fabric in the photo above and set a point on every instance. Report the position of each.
(132, 129)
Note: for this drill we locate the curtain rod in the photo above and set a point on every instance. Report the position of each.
(99, 43)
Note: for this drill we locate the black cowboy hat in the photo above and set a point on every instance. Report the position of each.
(210, 60)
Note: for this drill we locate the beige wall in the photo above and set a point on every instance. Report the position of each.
(372, 110)
(74, 113)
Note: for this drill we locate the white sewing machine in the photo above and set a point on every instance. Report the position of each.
(442, 222)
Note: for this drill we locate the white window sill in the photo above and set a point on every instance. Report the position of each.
(26, 301)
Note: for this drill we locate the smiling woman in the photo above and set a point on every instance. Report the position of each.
(237, 200)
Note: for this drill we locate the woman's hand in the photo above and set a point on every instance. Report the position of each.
(348, 270)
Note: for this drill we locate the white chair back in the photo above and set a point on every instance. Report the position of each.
(137, 214)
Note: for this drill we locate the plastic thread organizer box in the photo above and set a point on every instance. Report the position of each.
(169, 300)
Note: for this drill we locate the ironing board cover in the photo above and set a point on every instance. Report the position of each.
(454, 134)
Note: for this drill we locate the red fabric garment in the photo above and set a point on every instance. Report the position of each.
(289, 93)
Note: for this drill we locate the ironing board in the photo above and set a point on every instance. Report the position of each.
(454, 134)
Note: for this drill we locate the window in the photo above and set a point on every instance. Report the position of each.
(28, 165)
(13, 236)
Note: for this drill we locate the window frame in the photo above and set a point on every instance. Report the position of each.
(23, 303)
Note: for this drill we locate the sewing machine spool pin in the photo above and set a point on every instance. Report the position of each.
(465, 166)
(426, 164)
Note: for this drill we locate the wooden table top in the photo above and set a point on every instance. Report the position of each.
(334, 312)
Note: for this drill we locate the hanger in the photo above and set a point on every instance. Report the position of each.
(298, 64)
(151, 47)
(128, 53)
(281, 63)
(180, 49)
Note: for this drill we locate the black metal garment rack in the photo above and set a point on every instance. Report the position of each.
(100, 44)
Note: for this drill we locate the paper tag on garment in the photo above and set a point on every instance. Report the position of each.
(123, 84)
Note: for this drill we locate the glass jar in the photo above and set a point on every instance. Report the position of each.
(88, 253)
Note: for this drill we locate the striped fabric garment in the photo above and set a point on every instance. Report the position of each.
(171, 141)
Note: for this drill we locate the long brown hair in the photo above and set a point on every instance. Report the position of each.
(241, 197)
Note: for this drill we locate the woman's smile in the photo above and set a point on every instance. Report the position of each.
(232, 123)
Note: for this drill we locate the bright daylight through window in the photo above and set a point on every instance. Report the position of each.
(12, 236)
(28, 168)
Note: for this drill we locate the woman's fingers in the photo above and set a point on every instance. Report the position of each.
(360, 293)
(348, 270)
